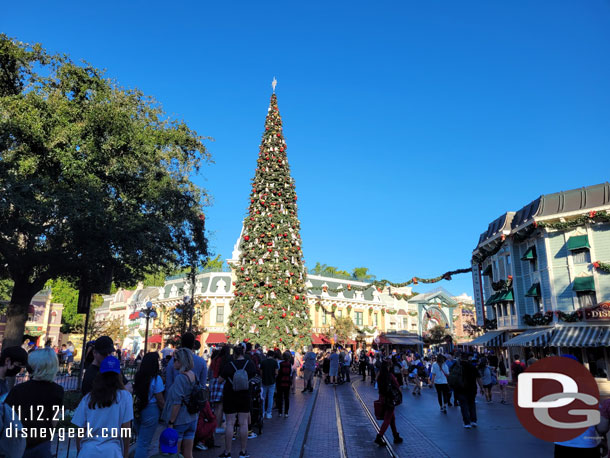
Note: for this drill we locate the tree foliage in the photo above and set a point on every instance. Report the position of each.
(343, 327)
(358, 273)
(437, 335)
(94, 179)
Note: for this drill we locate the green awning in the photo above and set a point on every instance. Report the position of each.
(584, 284)
(492, 299)
(534, 291)
(578, 242)
(487, 271)
(505, 296)
(530, 254)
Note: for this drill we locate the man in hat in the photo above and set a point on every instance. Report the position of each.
(102, 348)
(168, 444)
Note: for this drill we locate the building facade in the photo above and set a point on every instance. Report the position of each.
(539, 277)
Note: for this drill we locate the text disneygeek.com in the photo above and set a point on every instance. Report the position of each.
(67, 433)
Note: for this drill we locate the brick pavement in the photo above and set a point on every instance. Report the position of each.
(322, 439)
(499, 433)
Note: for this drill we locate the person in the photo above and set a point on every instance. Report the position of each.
(362, 364)
(236, 403)
(385, 382)
(486, 378)
(141, 356)
(200, 368)
(107, 405)
(516, 368)
(269, 368)
(284, 380)
(466, 391)
(493, 360)
(102, 348)
(604, 426)
(438, 378)
(168, 445)
(149, 402)
(174, 413)
(502, 378)
(42, 396)
(531, 360)
(12, 360)
(347, 363)
(334, 366)
(206, 356)
(397, 368)
(309, 367)
(219, 359)
(297, 362)
(168, 351)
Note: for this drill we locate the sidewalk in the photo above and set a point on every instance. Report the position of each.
(433, 433)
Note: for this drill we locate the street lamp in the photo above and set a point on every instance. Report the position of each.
(147, 312)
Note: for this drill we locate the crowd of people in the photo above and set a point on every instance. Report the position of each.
(180, 401)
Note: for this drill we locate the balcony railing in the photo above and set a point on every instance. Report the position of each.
(507, 321)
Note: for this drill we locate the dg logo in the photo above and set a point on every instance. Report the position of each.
(557, 399)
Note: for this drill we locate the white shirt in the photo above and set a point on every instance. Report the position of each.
(103, 419)
(439, 377)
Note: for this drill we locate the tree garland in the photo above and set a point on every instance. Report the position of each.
(602, 266)
(590, 218)
(538, 319)
(389, 312)
(570, 317)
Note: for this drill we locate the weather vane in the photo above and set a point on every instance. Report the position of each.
(273, 84)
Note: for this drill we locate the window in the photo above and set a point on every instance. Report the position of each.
(339, 313)
(359, 320)
(324, 317)
(496, 270)
(405, 323)
(581, 256)
(537, 305)
(220, 314)
(586, 299)
(375, 320)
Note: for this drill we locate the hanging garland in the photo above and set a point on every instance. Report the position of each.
(590, 218)
(404, 297)
(538, 319)
(390, 312)
(569, 317)
(366, 330)
(413, 313)
(602, 266)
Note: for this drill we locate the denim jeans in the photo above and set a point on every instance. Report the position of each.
(146, 426)
(268, 391)
(468, 406)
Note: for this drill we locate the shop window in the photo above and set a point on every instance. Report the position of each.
(597, 362)
(220, 314)
(586, 299)
(581, 256)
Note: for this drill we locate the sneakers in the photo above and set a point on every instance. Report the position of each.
(467, 426)
(304, 391)
(285, 415)
(224, 455)
(473, 423)
(269, 416)
(252, 435)
(244, 455)
(397, 439)
(200, 446)
(380, 441)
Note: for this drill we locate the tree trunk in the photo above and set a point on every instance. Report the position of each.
(17, 313)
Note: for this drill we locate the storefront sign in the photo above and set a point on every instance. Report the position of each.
(600, 312)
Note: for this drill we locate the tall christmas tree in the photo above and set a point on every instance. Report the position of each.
(270, 305)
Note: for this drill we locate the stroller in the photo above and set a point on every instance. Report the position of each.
(256, 404)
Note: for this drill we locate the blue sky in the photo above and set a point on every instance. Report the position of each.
(410, 125)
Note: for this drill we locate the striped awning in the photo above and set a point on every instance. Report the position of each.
(489, 339)
(531, 338)
(581, 336)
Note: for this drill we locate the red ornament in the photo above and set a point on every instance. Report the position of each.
(233, 283)
(596, 264)
(535, 223)
(414, 280)
(592, 214)
(296, 298)
(202, 217)
(510, 277)
(284, 315)
(261, 317)
(246, 237)
(246, 339)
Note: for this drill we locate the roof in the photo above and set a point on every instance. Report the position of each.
(550, 205)
(216, 337)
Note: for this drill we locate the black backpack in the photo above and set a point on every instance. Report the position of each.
(456, 376)
(197, 399)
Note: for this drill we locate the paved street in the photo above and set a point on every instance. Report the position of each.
(312, 429)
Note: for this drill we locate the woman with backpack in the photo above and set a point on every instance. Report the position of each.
(438, 378)
(236, 398)
(390, 396)
(284, 380)
(175, 412)
(486, 378)
(148, 389)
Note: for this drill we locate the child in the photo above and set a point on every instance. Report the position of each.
(168, 444)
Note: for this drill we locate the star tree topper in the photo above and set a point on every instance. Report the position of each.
(273, 84)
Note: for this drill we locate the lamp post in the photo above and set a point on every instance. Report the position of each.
(147, 312)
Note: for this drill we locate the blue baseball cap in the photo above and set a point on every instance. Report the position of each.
(168, 442)
(110, 364)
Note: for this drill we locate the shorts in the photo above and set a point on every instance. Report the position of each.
(236, 402)
(488, 387)
(503, 382)
(186, 431)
